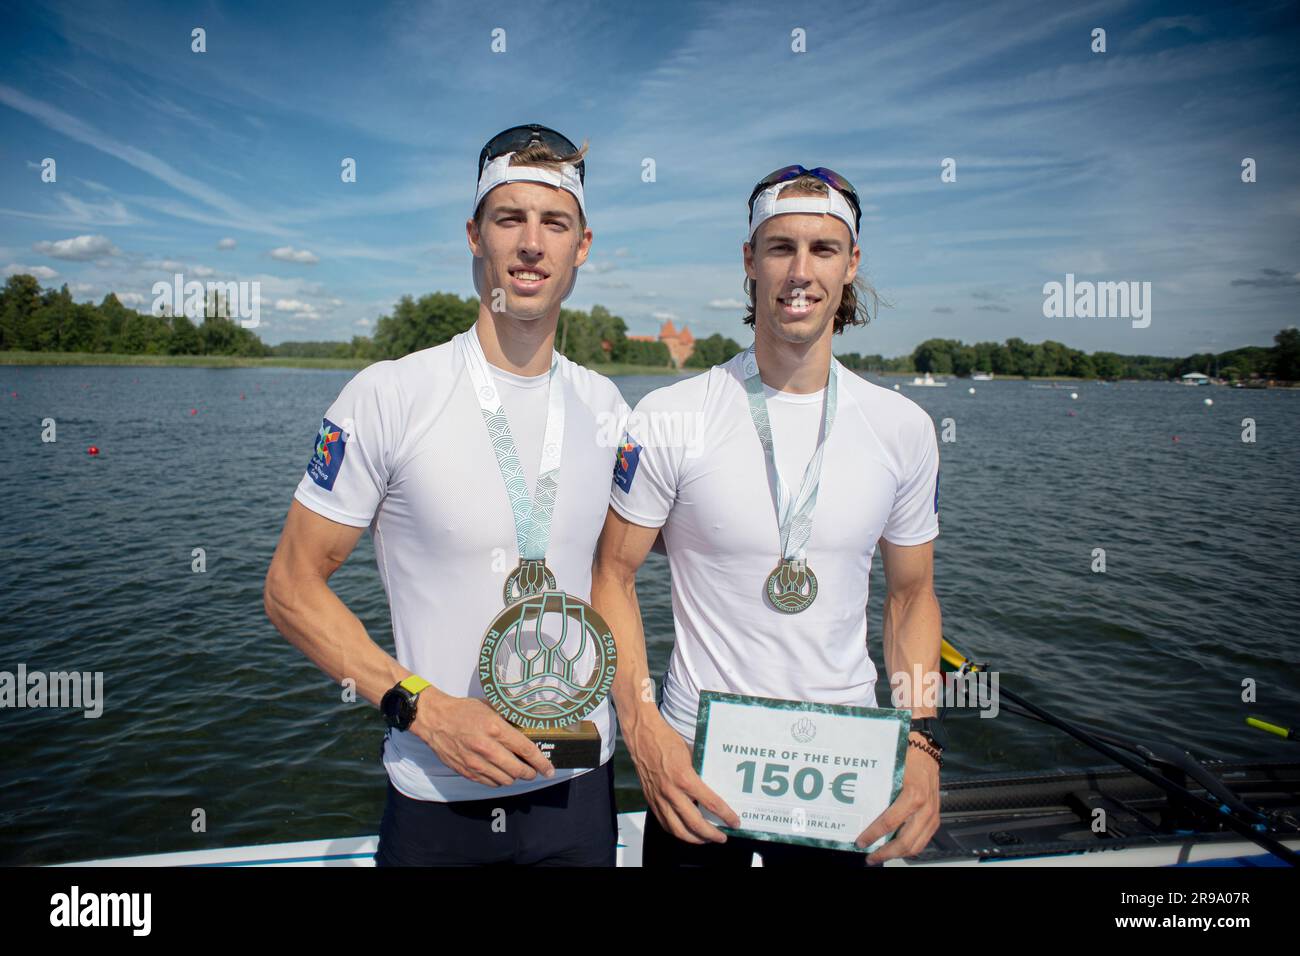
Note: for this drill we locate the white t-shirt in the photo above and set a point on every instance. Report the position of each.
(409, 456)
(701, 476)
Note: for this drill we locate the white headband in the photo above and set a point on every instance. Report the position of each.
(768, 205)
(499, 171)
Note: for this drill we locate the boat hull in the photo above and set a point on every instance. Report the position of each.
(1019, 820)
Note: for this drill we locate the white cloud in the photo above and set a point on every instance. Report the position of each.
(226, 243)
(663, 316)
(726, 305)
(79, 248)
(130, 298)
(44, 273)
(290, 254)
(299, 309)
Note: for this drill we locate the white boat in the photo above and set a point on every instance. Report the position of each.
(981, 376)
(927, 382)
(1195, 378)
(1028, 819)
(1162, 806)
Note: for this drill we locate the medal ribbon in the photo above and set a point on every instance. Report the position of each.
(794, 516)
(532, 513)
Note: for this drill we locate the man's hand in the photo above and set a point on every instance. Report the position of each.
(473, 740)
(916, 810)
(671, 784)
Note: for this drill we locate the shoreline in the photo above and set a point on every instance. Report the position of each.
(17, 358)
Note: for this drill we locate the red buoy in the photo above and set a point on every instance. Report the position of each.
(92, 450)
(194, 411)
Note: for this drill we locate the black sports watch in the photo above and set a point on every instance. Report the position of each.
(931, 728)
(398, 705)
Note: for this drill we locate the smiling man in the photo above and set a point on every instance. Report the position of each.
(466, 460)
(770, 534)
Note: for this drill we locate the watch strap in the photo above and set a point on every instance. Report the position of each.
(414, 684)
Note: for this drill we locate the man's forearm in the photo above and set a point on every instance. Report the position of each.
(313, 619)
(913, 631)
(613, 595)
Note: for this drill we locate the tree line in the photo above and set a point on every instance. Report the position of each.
(33, 320)
(587, 338)
(37, 320)
(1016, 357)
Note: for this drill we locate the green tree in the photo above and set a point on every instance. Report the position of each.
(185, 338)
(1286, 356)
(54, 320)
(1108, 365)
(85, 331)
(415, 325)
(19, 302)
(712, 351)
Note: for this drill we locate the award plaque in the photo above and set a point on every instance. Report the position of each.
(798, 772)
(547, 661)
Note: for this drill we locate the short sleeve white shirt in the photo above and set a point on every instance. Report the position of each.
(404, 451)
(691, 464)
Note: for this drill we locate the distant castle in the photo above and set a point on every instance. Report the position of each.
(680, 344)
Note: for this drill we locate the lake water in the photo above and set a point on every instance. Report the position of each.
(207, 706)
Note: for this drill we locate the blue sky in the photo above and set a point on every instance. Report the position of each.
(1122, 166)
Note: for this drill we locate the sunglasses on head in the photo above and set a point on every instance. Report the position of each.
(829, 176)
(521, 137)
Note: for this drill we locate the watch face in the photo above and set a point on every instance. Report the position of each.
(391, 705)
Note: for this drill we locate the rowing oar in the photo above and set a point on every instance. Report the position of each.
(962, 664)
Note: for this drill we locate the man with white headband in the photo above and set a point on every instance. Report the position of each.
(770, 518)
(479, 468)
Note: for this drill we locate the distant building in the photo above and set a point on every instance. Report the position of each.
(680, 344)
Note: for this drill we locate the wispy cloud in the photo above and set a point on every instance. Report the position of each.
(78, 248)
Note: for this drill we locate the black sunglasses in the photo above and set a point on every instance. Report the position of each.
(521, 137)
(829, 176)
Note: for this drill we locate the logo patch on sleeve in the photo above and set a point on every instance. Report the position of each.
(327, 454)
(629, 453)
